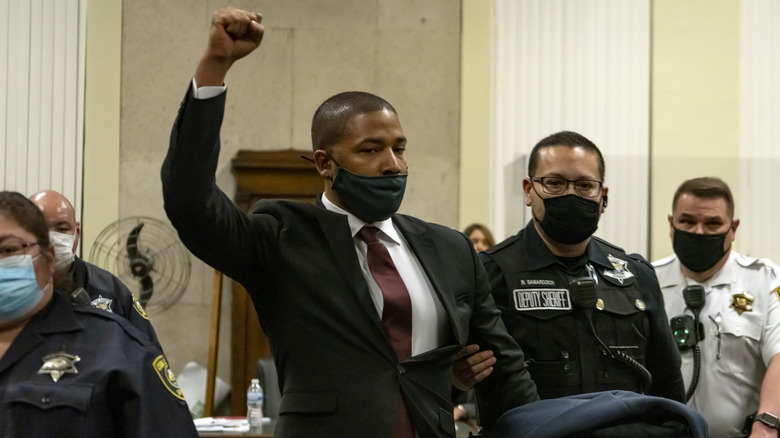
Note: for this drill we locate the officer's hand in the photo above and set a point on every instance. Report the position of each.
(234, 34)
(471, 367)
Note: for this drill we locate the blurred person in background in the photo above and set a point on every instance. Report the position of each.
(480, 236)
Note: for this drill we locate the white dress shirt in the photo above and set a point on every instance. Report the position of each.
(429, 320)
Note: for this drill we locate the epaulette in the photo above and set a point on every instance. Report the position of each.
(747, 261)
(130, 329)
(605, 243)
(664, 261)
(499, 246)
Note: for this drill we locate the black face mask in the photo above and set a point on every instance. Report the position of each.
(371, 198)
(570, 219)
(698, 252)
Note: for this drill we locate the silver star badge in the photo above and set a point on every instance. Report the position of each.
(102, 303)
(59, 363)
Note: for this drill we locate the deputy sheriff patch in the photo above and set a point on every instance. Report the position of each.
(620, 271)
(742, 302)
(541, 299)
(777, 293)
(102, 303)
(167, 377)
(139, 308)
(59, 363)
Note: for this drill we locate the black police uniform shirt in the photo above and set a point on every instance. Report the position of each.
(84, 372)
(531, 287)
(107, 292)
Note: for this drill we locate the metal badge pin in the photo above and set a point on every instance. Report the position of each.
(59, 363)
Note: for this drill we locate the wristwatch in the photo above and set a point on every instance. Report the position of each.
(768, 419)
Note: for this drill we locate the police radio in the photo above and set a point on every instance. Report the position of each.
(688, 331)
(584, 296)
(79, 297)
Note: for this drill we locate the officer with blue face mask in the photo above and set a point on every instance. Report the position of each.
(105, 290)
(588, 316)
(739, 352)
(68, 370)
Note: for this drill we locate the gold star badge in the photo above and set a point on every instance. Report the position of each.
(742, 302)
(59, 363)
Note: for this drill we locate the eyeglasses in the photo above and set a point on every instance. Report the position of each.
(14, 248)
(552, 185)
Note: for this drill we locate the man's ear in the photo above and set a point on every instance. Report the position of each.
(77, 239)
(734, 224)
(322, 162)
(527, 187)
(604, 198)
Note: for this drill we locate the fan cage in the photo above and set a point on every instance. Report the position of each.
(158, 241)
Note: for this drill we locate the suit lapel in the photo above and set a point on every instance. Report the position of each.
(336, 230)
(424, 247)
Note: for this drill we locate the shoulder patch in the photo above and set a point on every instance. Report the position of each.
(777, 292)
(138, 307)
(167, 377)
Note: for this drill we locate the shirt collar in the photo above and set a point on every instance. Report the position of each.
(724, 274)
(540, 255)
(355, 223)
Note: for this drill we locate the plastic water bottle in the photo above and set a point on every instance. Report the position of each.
(254, 404)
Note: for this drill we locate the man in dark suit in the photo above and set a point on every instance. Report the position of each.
(362, 349)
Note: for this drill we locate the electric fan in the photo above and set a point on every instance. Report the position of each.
(146, 254)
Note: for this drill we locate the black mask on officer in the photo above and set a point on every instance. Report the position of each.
(570, 219)
(698, 252)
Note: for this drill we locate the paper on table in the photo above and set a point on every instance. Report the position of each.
(221, 424)
(224, 424)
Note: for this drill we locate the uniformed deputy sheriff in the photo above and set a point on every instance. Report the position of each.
(68, 370)
(740, 353)
(106, 291)
(606, 331)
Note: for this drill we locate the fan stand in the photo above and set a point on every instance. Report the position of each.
(211, 372)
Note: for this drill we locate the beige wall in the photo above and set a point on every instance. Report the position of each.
(695, 92)
(475, 114)
(101, 119)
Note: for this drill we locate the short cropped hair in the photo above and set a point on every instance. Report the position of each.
(564, 138)
(329, 124)
(706, 187)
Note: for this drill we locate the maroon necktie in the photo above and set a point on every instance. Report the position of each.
(396, 312)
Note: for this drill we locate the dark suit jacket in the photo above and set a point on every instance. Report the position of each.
(337, 372)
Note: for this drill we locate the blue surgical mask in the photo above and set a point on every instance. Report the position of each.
(19, 291)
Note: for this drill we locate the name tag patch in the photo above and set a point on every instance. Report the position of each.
(541, 299)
